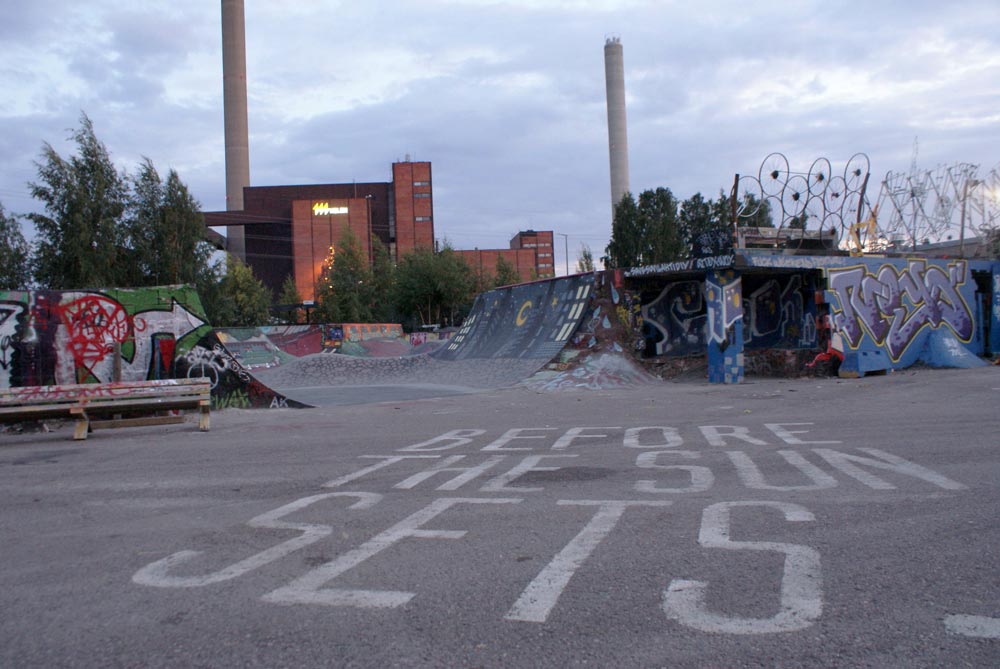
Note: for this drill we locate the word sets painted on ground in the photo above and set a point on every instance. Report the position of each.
(504, 461)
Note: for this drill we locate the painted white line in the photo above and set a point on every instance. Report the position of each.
(752, 477)
(386, 461)
(541, 595)
(886, 461)
(465, 474)
(801, 601)
(702, 478)
(979, 627)
(157, 574)
(308, 588)
(503, 482)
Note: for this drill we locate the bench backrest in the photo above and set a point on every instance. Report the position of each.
(75, 393)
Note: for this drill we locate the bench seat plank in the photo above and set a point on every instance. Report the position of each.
(81, 401)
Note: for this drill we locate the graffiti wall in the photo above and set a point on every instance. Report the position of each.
(60, 337)
(233, 386)
(875, 313)
(897, 312)
(778, 312)
(63, 337)
(674, 322)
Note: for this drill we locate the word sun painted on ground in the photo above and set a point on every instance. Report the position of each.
(503, 470)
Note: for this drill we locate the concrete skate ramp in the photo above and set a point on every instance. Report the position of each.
(943, 350)
(529, 321)
(233, 386)
(510, 334)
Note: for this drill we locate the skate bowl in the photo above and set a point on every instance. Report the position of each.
(510, 334)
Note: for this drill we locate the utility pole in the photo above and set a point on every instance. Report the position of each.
(566, 240)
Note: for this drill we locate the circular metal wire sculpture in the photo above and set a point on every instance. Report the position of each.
(820, 203)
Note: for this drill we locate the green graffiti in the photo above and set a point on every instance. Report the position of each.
(237, 399)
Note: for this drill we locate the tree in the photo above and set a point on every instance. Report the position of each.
(290, 296)
(585, 260)
(245, 300)
(165, 230)
(79, 237)
(383, 279)
(624, 249)
(209, 286)
(454, 285)
(14, 254)
(507, 274)
(345, 293)
(657, 212)
(759, 212)
(704, 226)
(433, 288)
(645, 233)
(105, 228)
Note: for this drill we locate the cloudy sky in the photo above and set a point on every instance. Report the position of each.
(505, 98)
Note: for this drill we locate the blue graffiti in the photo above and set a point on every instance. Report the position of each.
(892, 306)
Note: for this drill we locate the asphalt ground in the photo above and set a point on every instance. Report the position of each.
(786, 523)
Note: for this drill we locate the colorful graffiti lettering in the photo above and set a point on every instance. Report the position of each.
(892, 306)
(94, 323)
(674, 323)
(212, 363)
(725, 306)
(9, 315)
(776, 314)
(50, 338)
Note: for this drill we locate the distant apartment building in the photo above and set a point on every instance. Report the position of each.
(541, 241)
(289, 230)
(530, 253)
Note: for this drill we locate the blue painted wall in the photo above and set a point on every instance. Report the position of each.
(888, 313)
(893, 313)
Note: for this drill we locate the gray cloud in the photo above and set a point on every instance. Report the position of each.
(507, 99)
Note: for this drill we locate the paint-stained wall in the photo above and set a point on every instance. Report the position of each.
(779, 311)
(883, 313)
(59, 337)
(895, 312)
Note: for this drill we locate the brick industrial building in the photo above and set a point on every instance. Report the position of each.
(289, 230)
(530, 253)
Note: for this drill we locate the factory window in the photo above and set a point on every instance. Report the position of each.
(422, 218)
(421, 195)
(421, 183)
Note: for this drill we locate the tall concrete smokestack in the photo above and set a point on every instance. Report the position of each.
(234, 100)
(614, 76)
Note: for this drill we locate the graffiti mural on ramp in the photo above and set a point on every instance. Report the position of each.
(532, 320)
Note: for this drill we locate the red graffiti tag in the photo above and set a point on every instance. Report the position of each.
(94, 323)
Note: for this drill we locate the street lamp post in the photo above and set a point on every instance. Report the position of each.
(566, 240)
(368, 214)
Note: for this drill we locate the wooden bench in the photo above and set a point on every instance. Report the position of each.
(121, 404)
